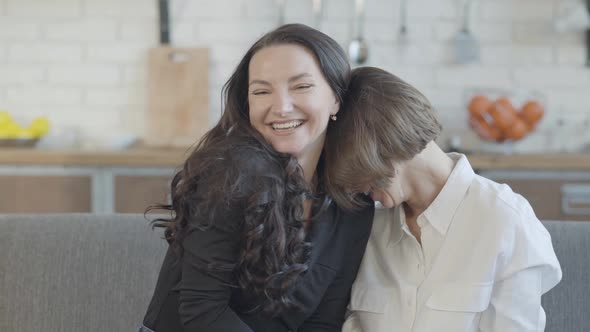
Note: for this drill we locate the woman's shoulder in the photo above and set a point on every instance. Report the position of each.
(228, 172)
(249, 155)
(357, 223)
(237, 158)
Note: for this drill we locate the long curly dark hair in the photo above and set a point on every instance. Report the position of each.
(234, 168)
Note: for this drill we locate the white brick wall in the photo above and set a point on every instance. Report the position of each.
(55, 9)
(14, 29)
(44, 52)
(18, 74)
(82, 30)
(43, 95)
(86, 75)
(82, 62)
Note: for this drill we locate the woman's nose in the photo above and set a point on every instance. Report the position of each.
(282, 104)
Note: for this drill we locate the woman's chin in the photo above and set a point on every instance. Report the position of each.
(287, 149)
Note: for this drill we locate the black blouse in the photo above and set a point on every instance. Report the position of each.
(189, 299)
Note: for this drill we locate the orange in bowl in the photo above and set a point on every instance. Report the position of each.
(503, 113)
(518, 130)
(531, 113)
(506, 103)
(478, 105)
(485, 129)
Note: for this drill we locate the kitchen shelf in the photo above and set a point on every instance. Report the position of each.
(543, 162)
(174, 157)
(143, 157)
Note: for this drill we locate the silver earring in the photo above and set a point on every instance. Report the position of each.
(333, 117)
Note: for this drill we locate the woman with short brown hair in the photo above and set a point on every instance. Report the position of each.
(450, 250)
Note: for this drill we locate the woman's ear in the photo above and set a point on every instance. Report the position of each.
(336, 106)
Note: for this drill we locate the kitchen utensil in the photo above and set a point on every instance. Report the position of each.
(317, 13)
(178, 91)
(403, 29)
(572, 16)
(588, 37)
(358, 50)
(466, 46)
(281, 11)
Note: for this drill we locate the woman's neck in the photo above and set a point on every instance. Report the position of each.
(309, 164)
(426, 175)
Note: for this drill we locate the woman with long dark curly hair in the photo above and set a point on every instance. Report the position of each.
(256, 244)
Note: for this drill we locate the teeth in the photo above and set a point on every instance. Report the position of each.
(286, 125)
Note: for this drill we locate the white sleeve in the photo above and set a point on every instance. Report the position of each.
(529, 269)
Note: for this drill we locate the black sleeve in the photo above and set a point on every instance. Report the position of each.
(329, 315)
(232, 178)
(210, 255)
(205, 294)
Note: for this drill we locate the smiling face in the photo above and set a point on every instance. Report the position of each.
(290, 101)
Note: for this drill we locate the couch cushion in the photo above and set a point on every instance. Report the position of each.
(567, 304)
(77, 272)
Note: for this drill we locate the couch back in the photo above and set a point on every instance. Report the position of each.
(567, 305)
(82, 272)
(77, 272)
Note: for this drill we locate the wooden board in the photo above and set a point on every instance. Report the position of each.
(178, 96)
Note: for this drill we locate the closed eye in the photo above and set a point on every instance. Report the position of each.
(260, 92)
(303, 86)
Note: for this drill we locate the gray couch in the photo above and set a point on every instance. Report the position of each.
(65, 273)
(70, 273)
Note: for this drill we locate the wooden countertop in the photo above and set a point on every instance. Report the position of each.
(541, 162)
(145, 157)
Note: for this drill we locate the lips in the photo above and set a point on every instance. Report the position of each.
(286, 125)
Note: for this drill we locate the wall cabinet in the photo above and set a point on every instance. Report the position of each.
(553, 195)
(45, 194)
(133, 193)
(80, 189)
(65, 189)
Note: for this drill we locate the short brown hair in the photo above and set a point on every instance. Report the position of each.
(382, 119)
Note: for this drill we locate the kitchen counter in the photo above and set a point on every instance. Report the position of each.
(540, 162)
(146, 157)
(175, 157)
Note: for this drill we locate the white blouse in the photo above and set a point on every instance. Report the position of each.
(484, 263)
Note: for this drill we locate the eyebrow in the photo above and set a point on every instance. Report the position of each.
(292, 79)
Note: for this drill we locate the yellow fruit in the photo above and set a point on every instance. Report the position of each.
(10, 130)
(5, 118)
(24, 133)
(40, 126)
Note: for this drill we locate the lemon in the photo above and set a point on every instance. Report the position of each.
(5, 117)
(39, 127)
(10, 130)
(25, 133)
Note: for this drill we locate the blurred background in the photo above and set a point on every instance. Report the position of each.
(86, 87)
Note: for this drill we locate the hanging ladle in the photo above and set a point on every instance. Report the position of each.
(281, 11)
(403, 29)
(317, 13)
(358, 50)
(466, 46)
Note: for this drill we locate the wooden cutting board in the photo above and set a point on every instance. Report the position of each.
(178, 100)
